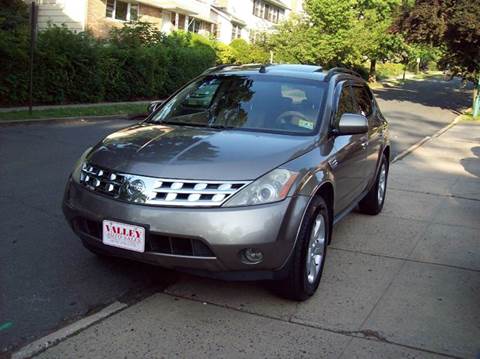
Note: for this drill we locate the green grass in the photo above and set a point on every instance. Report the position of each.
(121, 109)
(429, 75)
(468, 116)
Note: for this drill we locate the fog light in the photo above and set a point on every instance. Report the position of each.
(252, 256)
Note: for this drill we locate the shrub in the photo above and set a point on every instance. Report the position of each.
(66, 67)
(135, 62)
(14, 57)
(245, 53)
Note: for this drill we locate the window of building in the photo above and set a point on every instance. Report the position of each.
(267, 11)
(236, 31)
(215, 31)
(122, 10)
(194, 25)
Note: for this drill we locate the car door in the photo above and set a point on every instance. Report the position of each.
(348, 165)
(365, 107)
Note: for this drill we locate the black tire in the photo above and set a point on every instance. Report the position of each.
(371, 204)
(296, 285)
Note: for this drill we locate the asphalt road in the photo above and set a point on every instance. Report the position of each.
(420, 108)
(48, 279)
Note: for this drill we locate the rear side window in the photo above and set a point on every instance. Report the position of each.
(363, 100)
(345, 103)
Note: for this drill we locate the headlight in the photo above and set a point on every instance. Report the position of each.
(272, 187)
(78, 166)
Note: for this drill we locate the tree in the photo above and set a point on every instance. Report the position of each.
(296, 41)
(339, 33)
(452, 24)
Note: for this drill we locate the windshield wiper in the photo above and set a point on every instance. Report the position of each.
(221, 127)
(193, 124)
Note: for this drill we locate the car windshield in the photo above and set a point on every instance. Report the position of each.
(271, 104)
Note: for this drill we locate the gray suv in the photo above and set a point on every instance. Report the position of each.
(239, 175)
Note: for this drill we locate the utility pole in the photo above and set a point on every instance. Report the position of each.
(33, 36)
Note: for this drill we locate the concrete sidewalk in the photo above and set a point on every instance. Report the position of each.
(405, 283)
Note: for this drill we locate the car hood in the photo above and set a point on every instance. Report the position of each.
(196, 153)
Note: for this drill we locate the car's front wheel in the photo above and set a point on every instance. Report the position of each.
(305, 266)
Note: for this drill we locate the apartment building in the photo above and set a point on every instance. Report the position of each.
(223, 19)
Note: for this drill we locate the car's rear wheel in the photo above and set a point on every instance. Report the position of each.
(305, 266)
(373, 202)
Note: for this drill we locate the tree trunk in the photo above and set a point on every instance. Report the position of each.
(404, 71)
(372, 75)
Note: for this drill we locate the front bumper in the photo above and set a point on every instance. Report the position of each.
(271, 228)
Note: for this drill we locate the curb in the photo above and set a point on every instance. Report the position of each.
(78, 105)
(73, 119)
(53, 339)
(426, 139)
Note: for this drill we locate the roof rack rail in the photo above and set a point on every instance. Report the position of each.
(215, 68)
(336, 70)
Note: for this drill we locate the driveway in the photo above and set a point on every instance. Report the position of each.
(47, 279)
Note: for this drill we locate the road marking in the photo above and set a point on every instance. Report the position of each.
(50, 340)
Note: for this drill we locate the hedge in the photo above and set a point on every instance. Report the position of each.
(136, 62)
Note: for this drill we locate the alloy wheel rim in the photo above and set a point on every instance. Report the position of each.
(316, 248)
(382, 179)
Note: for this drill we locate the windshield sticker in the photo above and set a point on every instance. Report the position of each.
(305, 124)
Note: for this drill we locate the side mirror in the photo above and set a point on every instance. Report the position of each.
(352, 124)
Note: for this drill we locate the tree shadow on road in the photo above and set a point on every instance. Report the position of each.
(430, 92)
(472, 164)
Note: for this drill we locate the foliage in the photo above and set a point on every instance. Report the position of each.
(135, 62)
(241, 51)
(295, 42)
(340, 33)
(245, 53)
(225, 53)
(14, 46)
(451, 24)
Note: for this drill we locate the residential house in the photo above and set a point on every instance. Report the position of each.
(223, 19)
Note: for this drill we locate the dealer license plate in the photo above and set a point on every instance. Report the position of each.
(124, 236)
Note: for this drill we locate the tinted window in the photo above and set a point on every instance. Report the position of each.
(247, 102)
(364, 102)
(345, 103)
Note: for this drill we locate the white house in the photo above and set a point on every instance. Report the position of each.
(222, 19)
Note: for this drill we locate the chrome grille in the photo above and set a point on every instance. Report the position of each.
(101, 180)
(158, 191)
